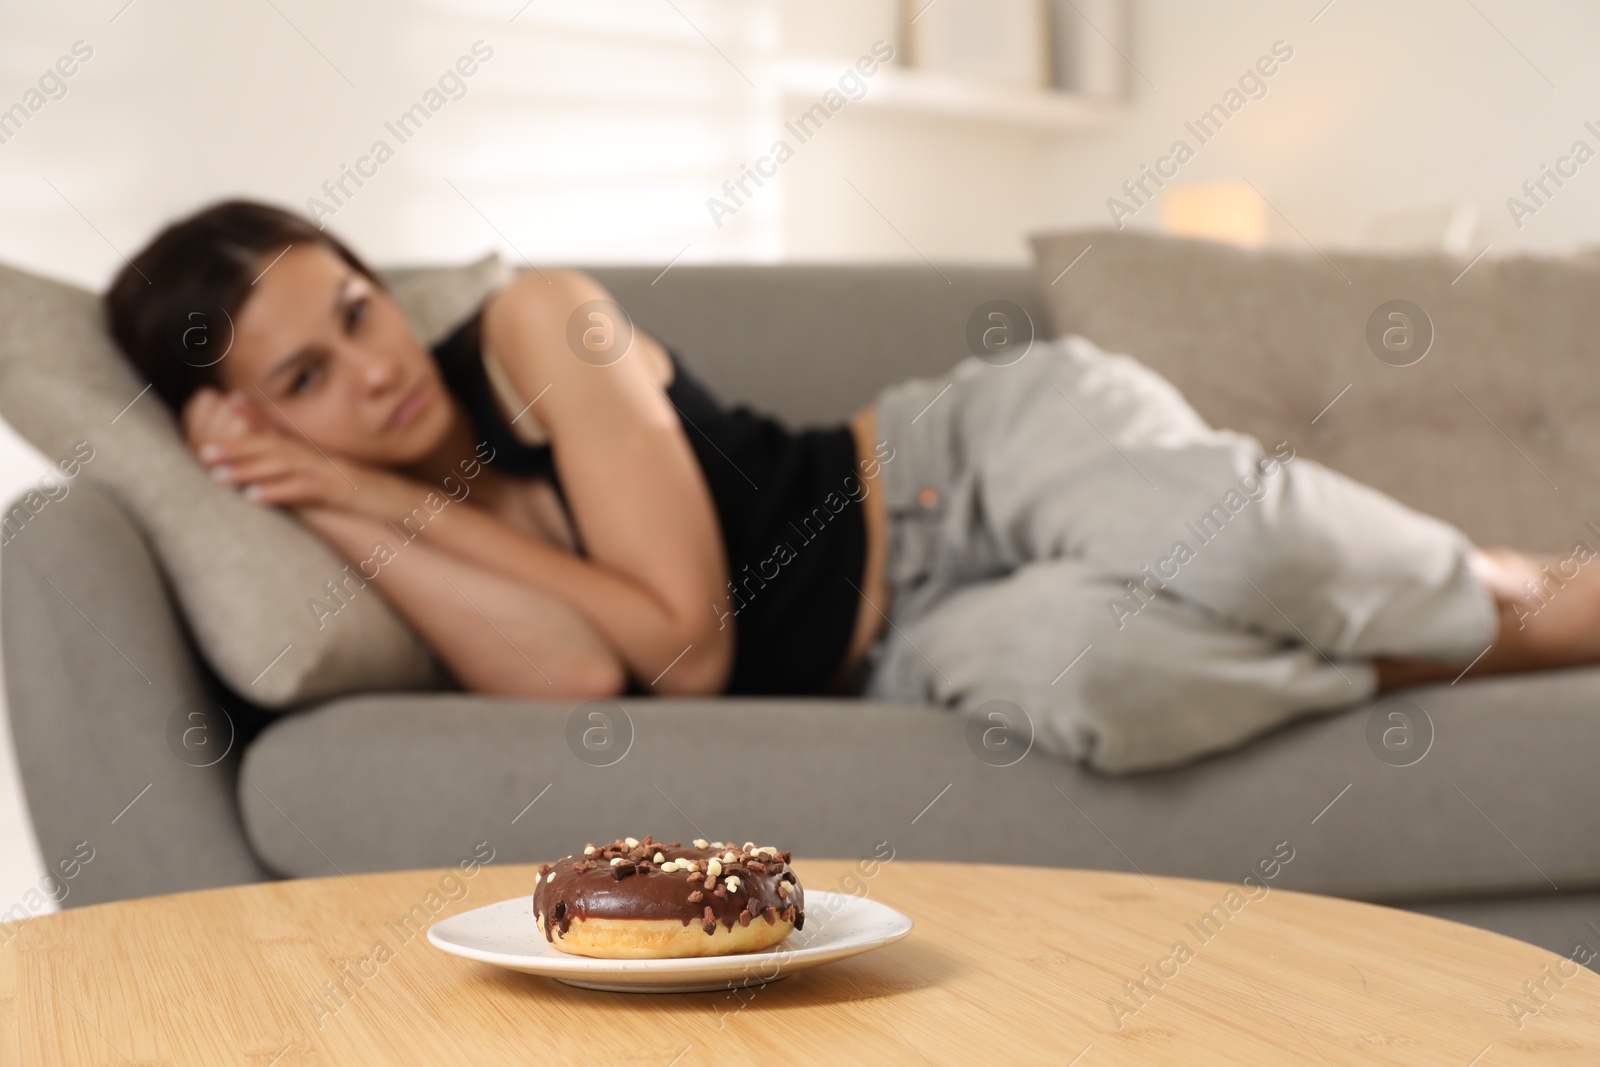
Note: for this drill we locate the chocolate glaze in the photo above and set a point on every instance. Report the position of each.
(591, 886)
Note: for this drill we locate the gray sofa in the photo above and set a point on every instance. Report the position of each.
(1489, 828)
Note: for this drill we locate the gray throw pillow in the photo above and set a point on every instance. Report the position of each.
(1480, 409)
(245, 575)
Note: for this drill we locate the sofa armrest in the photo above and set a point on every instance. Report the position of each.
(113, 716)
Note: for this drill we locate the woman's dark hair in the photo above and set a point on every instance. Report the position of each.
(172, 308)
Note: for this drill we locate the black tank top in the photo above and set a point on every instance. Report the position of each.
(788, 504)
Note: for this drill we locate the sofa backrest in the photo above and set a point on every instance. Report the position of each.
(811, 343)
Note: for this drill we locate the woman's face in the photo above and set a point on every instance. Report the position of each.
(327, 356)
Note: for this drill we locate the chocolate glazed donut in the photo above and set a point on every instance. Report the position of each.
(650, 899)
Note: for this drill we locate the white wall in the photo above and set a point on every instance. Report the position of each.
(592, 131)
(596, 133)
(1384, 108)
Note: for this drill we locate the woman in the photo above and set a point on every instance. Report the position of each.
(1144, 586)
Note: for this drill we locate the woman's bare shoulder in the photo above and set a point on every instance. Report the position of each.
(571, 305)
(539, 294)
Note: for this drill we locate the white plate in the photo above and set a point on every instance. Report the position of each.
(837, 925)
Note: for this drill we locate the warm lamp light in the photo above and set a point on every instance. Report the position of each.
(1221, 211)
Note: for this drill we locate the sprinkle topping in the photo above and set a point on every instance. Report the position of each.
(710, 884)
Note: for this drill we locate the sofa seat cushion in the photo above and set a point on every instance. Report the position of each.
(393, 781)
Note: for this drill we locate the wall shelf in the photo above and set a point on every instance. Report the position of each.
(895, 88)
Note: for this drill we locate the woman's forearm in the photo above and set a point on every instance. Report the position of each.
(663, 650)
(494, 635)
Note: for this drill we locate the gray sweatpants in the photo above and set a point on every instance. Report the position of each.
(1068, 535)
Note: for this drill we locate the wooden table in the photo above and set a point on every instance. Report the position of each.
(1018, 965)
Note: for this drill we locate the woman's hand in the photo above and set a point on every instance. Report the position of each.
(241, 448)
(209, 416)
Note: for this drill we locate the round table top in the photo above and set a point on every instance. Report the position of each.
(1020, 964)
